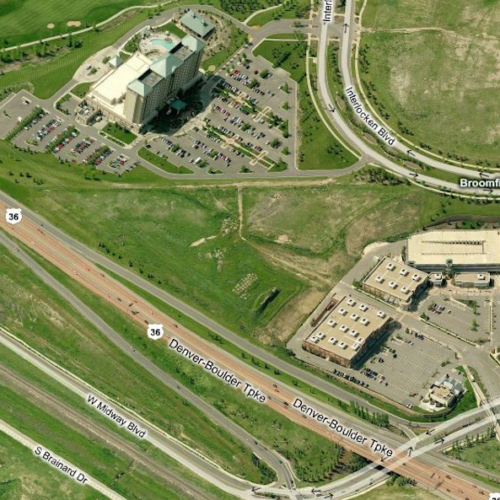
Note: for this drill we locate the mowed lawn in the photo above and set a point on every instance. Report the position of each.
(23, 475)
(397, 493)
(438, 83)
(484, 455)
(318, 149)
(28, 20)
(49, 75)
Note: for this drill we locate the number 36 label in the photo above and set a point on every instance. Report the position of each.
(494, 496)
(155, 332)
(13, 215)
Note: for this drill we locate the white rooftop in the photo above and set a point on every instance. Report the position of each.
(111, 88)
(463, 247)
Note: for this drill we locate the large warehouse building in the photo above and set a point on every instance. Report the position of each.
(134, 93)
(347, 332)
(455, 250)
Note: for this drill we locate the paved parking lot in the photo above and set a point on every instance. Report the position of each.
(246, 128)
(12, 109)
(60, 136)
(466, 316)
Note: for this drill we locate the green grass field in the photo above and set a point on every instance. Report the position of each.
(436, 84)
(289, 9)
(28, 20)
(162, 162)
(55, 329)
(48, 75)
(121, 134)
(91, 454)
(485, 455)
(318, 149)
(397, 493)
(22, 475)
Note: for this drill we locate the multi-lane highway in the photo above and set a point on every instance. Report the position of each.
(278, 397)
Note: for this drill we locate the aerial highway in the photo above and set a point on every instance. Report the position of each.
(280, 398)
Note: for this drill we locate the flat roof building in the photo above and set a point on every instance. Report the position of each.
(444, 393)
(395, 283)
(197, 24)
(347, 332)
(133, 93)
(447, 250)
(472, 280)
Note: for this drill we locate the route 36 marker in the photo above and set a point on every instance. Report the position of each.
(13, 215)
(494, 496)
(155, 332)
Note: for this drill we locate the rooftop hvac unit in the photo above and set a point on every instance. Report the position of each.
(342, 345)
(331, 322)
(342, 311)
(390, 266)
(381, 314)
(404, 289)
(332, 340)
(480, 277)
(393, 284)
(364, 321)
(314, 340)
(360, 340)
(321, 335)
(353, 333)
(363, 307)
(379, 279)
(351, 302)
(416, 277)
(344, 328)
(403, 272)
(354, 317)
(355, 346)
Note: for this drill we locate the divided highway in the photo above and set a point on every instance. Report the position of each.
(278, 397)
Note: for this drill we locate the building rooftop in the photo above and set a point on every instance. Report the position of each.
(111, 88)
(476, 278)
(393, 278)
(192, 43)
(347, 326)
(197, 23)
(463, 247)
(115, 61)
(165, 65)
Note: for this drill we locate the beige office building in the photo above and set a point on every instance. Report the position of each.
(455, 250)
(135, 92)
(395, 283)
(348, 331)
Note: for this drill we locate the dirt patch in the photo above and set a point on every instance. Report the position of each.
(283, 238)
(283, 325)
(51, 26)
(370, 138)
(74, 24)
(412, 165)
(201, 241)
(340, 103)
(212, 68)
